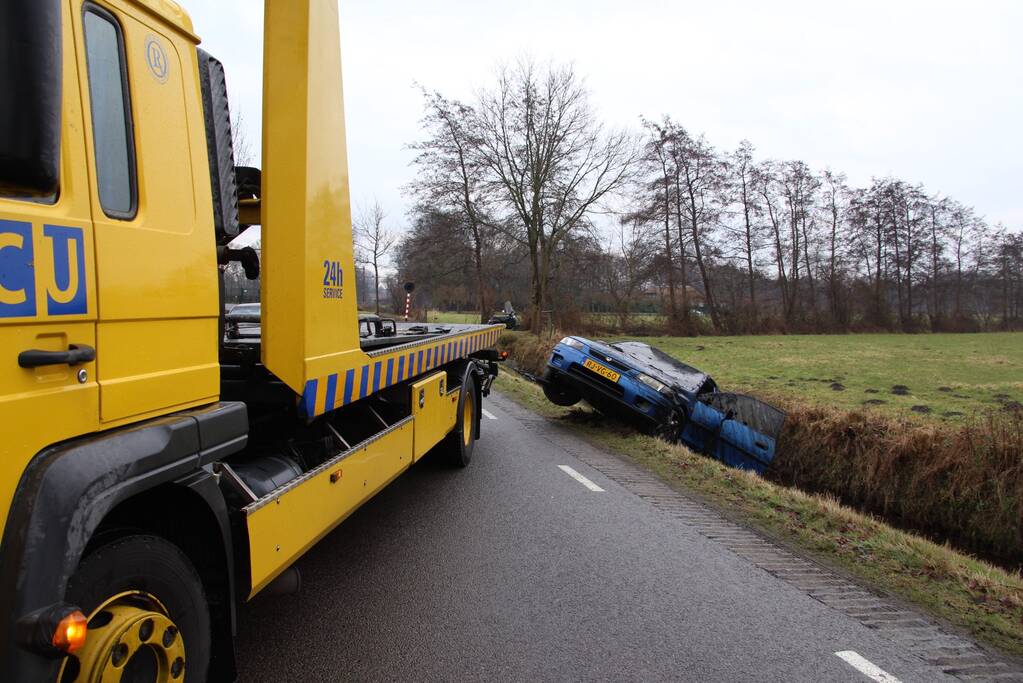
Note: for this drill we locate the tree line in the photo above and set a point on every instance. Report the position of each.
(525, 195)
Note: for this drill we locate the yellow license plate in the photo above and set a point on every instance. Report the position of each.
(601, 370)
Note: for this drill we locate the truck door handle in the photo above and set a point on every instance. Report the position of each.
(76, 354)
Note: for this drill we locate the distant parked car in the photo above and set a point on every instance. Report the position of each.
(242, 321)
(506, 317)
(664, 396)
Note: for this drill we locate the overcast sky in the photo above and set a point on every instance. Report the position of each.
(930, 91)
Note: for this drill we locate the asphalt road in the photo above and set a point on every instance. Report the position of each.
(515, 570)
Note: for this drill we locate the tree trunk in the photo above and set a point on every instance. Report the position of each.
(673, 308)
(480, 282)
(795, 304)
(878, 283)
(750, 271)
(376, 285)
(836, 315)
(707, 289)
(779, 255)
(683, 270)
(935, 299)
(809, 270)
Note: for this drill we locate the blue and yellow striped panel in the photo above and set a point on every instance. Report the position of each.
(391, 367)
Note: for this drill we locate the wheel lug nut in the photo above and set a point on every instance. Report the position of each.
(169, 635)
(146, 630)
(119, 654)
(177, 667)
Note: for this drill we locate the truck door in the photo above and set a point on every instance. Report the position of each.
(152, 208)
(48, 389)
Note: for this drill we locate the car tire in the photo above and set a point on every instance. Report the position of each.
(560, 395)
(153, 575)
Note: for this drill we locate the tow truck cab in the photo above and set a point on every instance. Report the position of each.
(134, 433)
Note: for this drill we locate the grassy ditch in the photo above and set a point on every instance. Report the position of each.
(978, 597)
(962, 483)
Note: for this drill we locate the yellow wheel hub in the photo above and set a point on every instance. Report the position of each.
(467, 420)
(130, 639)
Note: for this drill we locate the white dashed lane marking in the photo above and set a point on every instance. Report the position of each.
(580, 478)
(866, 667)
(489, 415)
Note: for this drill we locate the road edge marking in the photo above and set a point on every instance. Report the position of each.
(866, 667)
(580, 478)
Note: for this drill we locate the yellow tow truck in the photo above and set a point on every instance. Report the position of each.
(157, 465)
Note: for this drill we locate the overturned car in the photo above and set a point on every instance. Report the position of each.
(663, 396)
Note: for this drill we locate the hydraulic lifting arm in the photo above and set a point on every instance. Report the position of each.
(310, 316)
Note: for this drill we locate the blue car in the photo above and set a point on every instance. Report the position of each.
(663, 396)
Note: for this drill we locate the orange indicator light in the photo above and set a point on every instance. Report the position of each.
(69, 636)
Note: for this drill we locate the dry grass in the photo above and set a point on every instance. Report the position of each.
(528, 351)
(962, 483)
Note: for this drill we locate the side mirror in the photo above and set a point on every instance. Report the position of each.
(30, 108)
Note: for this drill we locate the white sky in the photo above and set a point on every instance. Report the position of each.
(927, 90)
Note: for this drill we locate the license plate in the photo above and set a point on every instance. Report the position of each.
(607, 373)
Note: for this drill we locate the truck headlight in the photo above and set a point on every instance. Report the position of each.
(574, 343)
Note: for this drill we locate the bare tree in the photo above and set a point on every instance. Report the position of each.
(373, 243)
(452, 176)
(742, 177)
(799, 185)
(244, 155)
(550, 158)
(765, 179)
(627, 264)
(657, 157)
(834, 192)
(698, 178)
(938, 234)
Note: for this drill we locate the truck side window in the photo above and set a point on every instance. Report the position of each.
(111, 113)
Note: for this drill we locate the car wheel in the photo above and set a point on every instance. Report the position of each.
(560, 395)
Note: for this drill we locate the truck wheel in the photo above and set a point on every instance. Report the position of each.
(560, 396)
(148, 617)
(459, 445)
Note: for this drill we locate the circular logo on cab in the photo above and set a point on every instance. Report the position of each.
(156, 57)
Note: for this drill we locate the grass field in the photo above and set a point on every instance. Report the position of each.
(452, 317)
(948, 376)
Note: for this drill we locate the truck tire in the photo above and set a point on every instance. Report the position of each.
(460, 443)
(148, 616)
